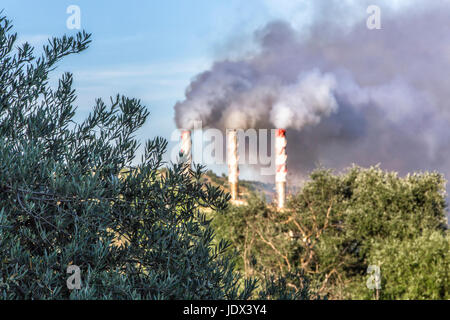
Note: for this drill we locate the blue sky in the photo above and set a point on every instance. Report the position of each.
(149, 49)
(144, 49)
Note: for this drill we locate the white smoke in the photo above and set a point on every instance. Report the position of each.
(305, 102)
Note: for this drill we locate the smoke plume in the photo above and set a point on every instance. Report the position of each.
(345, 93)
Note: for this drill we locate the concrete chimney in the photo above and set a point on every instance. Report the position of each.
(186, 146)
(280, 162)
(232, 159)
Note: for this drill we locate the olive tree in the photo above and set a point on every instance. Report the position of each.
(70, 194)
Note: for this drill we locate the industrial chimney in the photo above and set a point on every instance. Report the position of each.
(280, 162)
(232, 159)
(186, 146)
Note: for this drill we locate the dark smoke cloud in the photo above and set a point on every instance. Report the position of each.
(345, 94)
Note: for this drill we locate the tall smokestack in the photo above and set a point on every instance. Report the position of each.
(280, 162)
(186, 146)
(232, 159)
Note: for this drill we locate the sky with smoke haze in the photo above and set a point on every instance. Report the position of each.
(345, 93)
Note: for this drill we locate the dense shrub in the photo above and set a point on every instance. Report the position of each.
(413, 269)
(338, 225)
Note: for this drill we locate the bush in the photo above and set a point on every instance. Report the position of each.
(413, 269)
(337, 224)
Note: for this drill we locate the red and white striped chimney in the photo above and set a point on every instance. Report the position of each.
(280, 162)
(233, 166)
(186, 146)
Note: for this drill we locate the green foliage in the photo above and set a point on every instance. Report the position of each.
(240, 225)
(70, 195)
(282, 287)
(256, 232)
(337, 225)
(413, 269)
